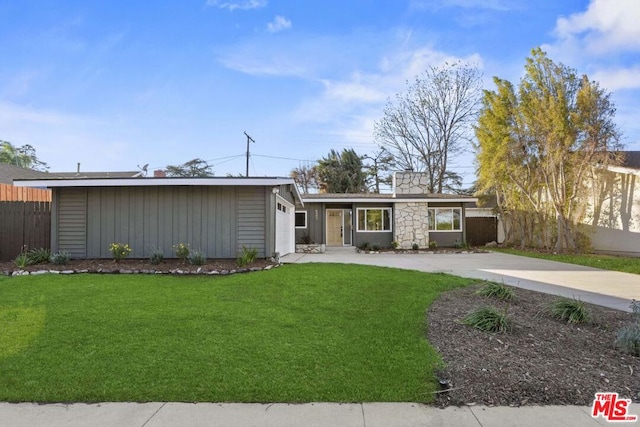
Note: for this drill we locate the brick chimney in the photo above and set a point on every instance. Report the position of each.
(159, 173)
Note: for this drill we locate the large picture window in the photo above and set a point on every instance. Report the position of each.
(301, 219)
(374, 219)
(445, 219)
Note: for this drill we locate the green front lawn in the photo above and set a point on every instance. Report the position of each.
(605, 262)
(299, 333)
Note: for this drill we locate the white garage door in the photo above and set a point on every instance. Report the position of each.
(285, 231)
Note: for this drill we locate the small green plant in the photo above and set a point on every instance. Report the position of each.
(497, 290)
(197, 257)
(415, 246)
(628, 337)
(119, 251)
(461, 245)
(60, 258)
(182, 251)
(156, 256)
(22, 260)
(375, 247)
(433, 244)
(38, 256)
(395, 244)
(489, 319)
(571, 310)
(247, 256)
(364, 246)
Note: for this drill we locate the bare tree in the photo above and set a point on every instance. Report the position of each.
(423, 128)
(306, 178)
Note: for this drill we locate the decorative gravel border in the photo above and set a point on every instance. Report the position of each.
(426, 251)
(176, 271)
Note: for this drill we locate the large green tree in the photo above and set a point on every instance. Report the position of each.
(537, 148)
(425, 127)
(342, 172)
(24, 156)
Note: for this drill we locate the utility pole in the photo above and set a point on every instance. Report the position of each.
(249, 139)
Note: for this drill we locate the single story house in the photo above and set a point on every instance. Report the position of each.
(215, 215)
(613, 213)
(407, 216)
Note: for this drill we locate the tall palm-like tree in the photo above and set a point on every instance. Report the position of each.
(24, 157)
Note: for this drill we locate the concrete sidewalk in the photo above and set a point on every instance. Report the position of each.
(282, 415)
(607, 288)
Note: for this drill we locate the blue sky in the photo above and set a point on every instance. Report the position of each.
(115, 84)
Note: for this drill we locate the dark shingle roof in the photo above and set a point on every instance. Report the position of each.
(631, 159)
(10, 172)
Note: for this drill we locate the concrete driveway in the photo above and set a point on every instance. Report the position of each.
(607, 288)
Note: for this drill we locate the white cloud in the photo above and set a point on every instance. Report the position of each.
(237, 4)
(618, 79)
(279, 23)
(606, 25)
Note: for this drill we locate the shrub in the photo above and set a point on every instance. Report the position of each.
(497, 290)
(181, 250)
(157, 256)
(433, 244)
(375, 247)
(489, 319)
(39, 256)
(461, 245)
(22, 260)
(60, 258)
(119, 251)
(364, 246)
(305, 239)
(395, 244)
(628, 337)
(571, 310)
(415, 246)
(247, 256)
(197, 257)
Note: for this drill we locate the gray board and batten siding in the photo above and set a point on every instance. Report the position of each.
(217, 220)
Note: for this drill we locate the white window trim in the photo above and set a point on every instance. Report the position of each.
(432, 212)
(305, 219)
(358, 230)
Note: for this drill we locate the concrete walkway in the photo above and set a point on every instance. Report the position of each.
(158, 414)
(607, 288)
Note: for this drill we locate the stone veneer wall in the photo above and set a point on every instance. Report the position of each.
(410, 225)
(410, 183)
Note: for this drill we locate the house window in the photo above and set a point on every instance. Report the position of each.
(301, 219)
(377, 219)
(445, 219)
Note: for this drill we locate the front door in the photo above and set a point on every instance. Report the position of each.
(334, 227)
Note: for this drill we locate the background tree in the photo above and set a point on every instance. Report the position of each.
(193, 168)
(430, 123)
(342, 173)
(379, 170)
(538, 150)
(24, 156)
(306, 178)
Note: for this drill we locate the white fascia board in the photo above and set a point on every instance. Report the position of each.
(391, 200)
(623, 170)
(152, 182)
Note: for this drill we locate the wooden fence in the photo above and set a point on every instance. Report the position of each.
(24, 226)
(9, 193)
(481, 230)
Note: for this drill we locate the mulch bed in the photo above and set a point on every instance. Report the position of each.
(137, 265)
(542, 361)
